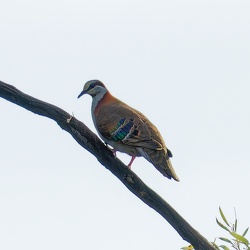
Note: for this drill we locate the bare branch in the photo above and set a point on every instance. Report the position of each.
(87, 139)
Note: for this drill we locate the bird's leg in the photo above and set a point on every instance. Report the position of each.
(130, 163)
(112, 149)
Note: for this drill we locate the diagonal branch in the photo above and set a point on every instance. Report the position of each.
(88, 140)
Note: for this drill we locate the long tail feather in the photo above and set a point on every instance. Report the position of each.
(161, 161)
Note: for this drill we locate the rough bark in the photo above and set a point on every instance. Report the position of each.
(90, 141)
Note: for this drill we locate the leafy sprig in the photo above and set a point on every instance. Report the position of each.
(236, 241)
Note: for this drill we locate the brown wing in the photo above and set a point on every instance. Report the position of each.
(125, 125)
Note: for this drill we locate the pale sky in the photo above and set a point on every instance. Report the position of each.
(184, 64)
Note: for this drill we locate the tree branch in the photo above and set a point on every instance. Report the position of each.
(88, 140)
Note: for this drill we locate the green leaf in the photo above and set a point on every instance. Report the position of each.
(226, 240)
(245, 232)
(223, 217)
(222, 226)
(190, 247)
(224, 247)
(240, 238)
(215, 246)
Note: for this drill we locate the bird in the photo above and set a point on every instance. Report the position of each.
(127, 130)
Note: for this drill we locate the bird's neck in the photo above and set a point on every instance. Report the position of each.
(100, 100)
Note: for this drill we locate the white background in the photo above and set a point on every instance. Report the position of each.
(184, 64)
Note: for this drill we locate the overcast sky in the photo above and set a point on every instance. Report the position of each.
(184, 64)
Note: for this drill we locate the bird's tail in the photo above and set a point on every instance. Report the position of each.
(160, 159)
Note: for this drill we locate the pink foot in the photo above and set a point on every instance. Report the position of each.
(114, 151)
(130, 163)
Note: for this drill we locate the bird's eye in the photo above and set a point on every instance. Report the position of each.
(91, 86)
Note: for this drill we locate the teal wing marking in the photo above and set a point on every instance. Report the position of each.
(123, 129)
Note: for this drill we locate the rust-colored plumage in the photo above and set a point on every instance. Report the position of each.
(128, 130)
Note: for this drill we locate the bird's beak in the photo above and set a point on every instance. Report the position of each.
(82, 93)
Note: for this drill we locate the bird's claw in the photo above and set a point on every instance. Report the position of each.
(112, 149)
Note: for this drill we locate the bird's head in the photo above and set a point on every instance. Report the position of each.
(93, 88)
